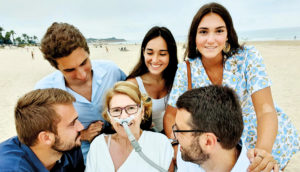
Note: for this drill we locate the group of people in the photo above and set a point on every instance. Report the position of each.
(216, 107)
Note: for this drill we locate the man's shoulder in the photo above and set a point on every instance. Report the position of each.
(104, 64)
(13, 157)
(50, 81)
(75, 158)
(74, 153)
(107, 69)
(11, 144)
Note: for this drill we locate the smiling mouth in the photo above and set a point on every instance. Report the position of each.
(211, 47)
(155, 65)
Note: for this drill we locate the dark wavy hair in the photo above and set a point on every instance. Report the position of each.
(224, 14)
(169, 73)
(60, 40)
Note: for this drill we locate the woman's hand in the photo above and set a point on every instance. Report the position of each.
(261, 160)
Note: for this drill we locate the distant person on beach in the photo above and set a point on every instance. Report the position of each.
(208, 127)
(48, 135)
(155, 71)
(32, 54)
(106, 49)
(114, 152)
(66, 50)
(216, 58)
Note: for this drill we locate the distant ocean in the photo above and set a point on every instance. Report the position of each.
(292, 33)
(270, 34)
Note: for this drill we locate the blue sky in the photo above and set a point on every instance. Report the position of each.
(131, 19)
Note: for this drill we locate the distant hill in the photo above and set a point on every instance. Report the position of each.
(106, 40)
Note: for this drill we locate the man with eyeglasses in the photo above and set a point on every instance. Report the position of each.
(208, 127)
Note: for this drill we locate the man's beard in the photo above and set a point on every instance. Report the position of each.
(195, 153)
(62, 147)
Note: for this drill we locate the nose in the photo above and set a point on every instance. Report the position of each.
(79, 126)
(211, 38)
(155, 57)
(81, 74)
(123, 114)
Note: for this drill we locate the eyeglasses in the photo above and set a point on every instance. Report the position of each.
(117, 111)
(175, 131)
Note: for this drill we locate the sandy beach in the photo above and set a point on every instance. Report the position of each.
(19, 72)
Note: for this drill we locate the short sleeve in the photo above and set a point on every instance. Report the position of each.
(256, 76)
(122, 75)
(180, 84)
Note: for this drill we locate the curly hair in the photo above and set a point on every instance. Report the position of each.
(132, 91)
(60, 40)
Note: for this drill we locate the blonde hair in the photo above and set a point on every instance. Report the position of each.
(131, 90)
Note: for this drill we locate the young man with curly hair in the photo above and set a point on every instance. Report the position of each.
(66, 49)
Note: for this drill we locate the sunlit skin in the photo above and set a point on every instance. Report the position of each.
(77, 71)
(120, 146)
(51, 146)
(156, 58)
(156, 55)
(202, 149)
(76, 68)
(184, 138)
(68, 129)
(122, 100)
(211, 36)
(210, 40)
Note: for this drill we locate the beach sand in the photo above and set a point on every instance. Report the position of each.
(19, 73)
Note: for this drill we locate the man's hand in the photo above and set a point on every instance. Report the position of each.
(261, 161)
(92, 131)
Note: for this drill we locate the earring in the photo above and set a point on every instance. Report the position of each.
(227, 47)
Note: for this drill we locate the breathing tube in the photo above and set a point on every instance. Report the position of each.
(124, 122)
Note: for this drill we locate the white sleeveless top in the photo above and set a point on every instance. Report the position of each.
(158, 106)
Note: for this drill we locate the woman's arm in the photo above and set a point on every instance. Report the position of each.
(267, 121)
(169, 120)
(267, 126)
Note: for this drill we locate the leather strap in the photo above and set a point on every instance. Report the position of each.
(188, 67)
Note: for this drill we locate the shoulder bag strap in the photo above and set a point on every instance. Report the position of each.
(188, 67)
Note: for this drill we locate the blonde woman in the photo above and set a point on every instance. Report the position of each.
(114, 152)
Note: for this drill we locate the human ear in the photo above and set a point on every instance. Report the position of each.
(208, 141)
(46, 137)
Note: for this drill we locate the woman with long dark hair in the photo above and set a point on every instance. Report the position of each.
(155, 71)
(216, 58)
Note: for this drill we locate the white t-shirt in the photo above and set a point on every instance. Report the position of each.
(241, 164)
(155, 146)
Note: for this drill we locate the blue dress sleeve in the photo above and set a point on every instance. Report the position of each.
(256, 76)
(180, 84)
